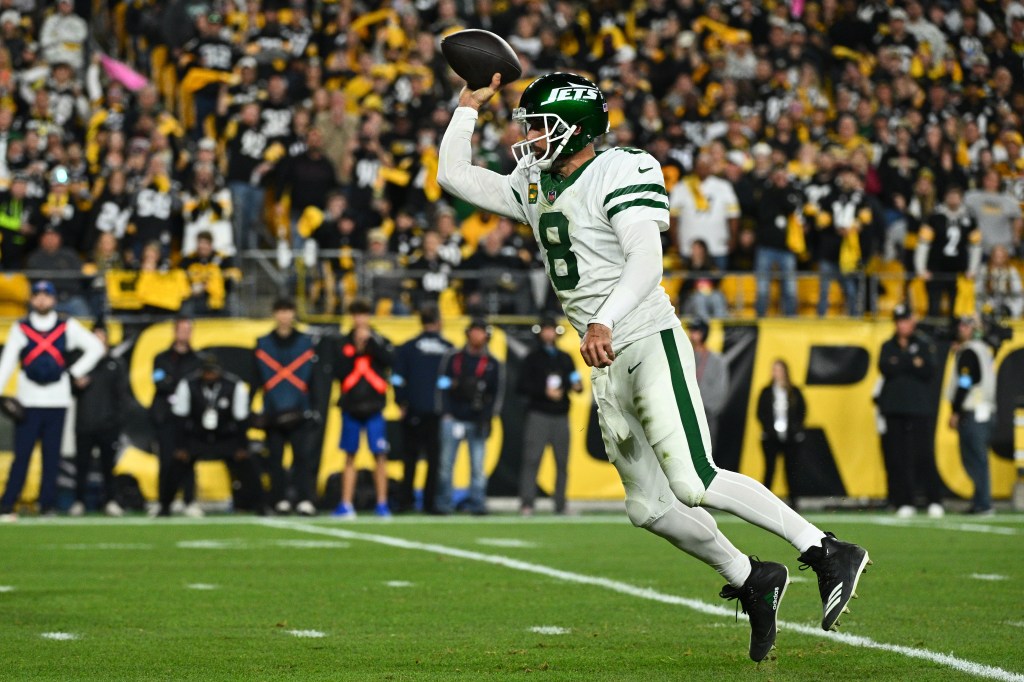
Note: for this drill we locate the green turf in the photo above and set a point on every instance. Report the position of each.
(122, 588)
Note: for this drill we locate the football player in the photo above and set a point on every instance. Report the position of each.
(597, 218)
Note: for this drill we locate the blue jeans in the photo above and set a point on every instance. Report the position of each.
(767, 259)
(453, 432)
(974, 438)
(44, 425)
(829, 271)
(248, 216)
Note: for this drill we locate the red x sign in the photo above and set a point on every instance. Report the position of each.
(284, 373)
(44, 344)
(362, 369)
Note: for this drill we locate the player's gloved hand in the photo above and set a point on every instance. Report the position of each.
(477, 98)
(596, 346)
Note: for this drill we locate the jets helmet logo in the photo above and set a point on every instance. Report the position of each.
(575, 92)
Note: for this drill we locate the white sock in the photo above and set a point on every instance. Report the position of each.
(695, 532)
(746, 498)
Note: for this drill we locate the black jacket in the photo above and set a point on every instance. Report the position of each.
(415, 373)
(364, 376)
(796, 414)
(169, 368)
(471, 387)
(539, 365)
(908, 374)
(101, 405)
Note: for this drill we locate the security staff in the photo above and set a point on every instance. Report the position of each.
(285, 360)
(907, 363)
(214, 408)
(169, 368)
(41, 344)
(414, 377)
(547, 377)
(100, 405)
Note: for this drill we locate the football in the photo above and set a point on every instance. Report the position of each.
(476, 55)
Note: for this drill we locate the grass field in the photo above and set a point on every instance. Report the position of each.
(583, 598)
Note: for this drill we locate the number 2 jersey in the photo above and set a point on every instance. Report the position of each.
(577, 221)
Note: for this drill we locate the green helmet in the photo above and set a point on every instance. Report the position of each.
(570, 111)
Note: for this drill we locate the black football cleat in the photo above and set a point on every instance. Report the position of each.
(760, 598)
(839, 566)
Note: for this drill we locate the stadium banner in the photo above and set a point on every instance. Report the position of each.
(833, 362)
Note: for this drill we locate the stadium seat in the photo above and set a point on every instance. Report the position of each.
(14, 294)
(740, 292)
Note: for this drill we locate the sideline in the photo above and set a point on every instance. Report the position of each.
(959, 664)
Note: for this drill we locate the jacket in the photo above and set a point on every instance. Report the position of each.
(796, 414)
(211, 412)
(540, 367)
(471, 387)
(415, 373)
(364, 376)
(102, 404)
(907, 374)
(284, 371)
(169, 368)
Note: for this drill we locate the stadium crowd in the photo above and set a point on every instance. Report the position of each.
(147, 145)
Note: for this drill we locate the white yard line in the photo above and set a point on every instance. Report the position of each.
(949, 661)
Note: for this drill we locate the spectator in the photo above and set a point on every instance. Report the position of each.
(334, 232)
(63, 36)
(712, 375)
(548, 375)
(781, 409)
(907, 363)
(63, 265)
(495, 277)
(105, 258)
(777, 217)
(363, 369)
(207, 208)
(101, 398)
(382, 273)
(415, 378)
(160, 288)
(471, 388)
(699, 295)
(155, 211)
(285, 360)
(708, 210)
(15, 223)
(306, 179)
(426, 288)
(838, 223)
(41, 345)
(211, 276)
(214, 408)
(948, 247)
(60, 211)
(112, 210)
(250, 158)
(972, 392)
(997, 213)
(998, 286)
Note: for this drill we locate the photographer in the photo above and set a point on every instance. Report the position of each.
(214, 409)
(470, 387)
(972, 390)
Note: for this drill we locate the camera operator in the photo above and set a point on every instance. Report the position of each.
(470, 387)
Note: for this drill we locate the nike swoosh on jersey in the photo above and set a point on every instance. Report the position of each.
(629, 370)
(644, 170)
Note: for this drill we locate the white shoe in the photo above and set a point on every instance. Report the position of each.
(9, 517)
(936, 511)
(194, 511)
(283, 507)
(112, 508)
(177, 506)
(77, 509)
(905, 512)
(305, 508)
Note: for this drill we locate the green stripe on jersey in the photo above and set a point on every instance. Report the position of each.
(618, 208)
(691, 427)
(636, 189)
(518, 198)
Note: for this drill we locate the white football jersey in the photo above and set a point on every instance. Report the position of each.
(575, 222)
